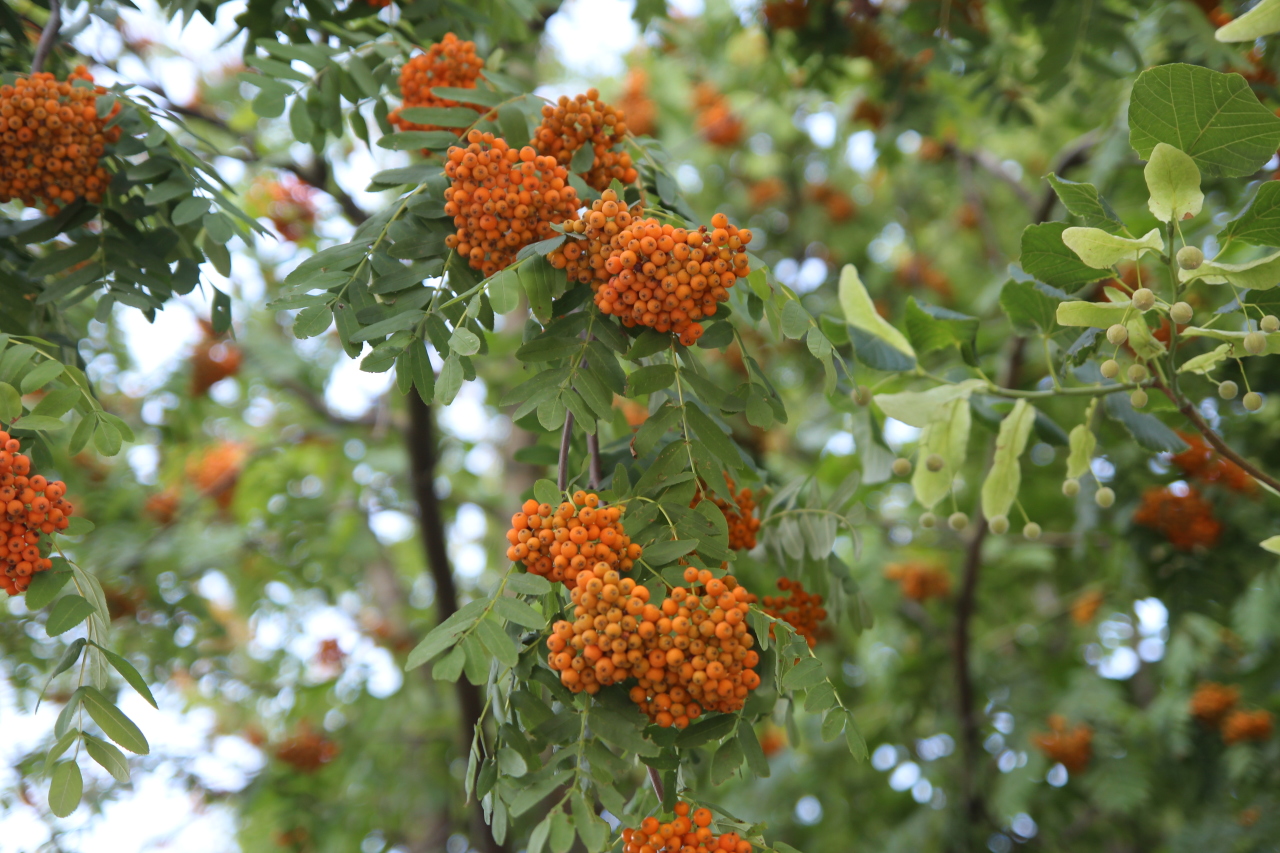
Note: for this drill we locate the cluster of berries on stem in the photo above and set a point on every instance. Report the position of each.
(688, 832)
(560, 544)
(32, 506)
(450, 62)
(1215, 706)
(801, 610)
(919, 581)
(586, 120)
(1072, 748)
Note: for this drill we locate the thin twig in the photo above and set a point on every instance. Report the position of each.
(1190, 412)
(656, 781)
(566, 438)
(48, 37)
(594, 475)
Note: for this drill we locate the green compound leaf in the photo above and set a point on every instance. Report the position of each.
(65, 788)
(1216, 118)
(1083, 200)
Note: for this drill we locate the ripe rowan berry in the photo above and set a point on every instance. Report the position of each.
(449, 62)
(1211, 702)
(502, 199)
(288, 202)
(577, 535)
(640, 109)
(1246, 725)
(213, 360)
(586, 120)
(52, 140)
(32, 506)
(739, 515)
(715, 118)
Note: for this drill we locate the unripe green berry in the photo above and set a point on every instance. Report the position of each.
(1138, 372)
(935, 462)
(1255, 343)
(1182, 312)
(1110, 368)
(1144, 299)
(1252, 401)
(901, 467)
(958, 521)
(1071, 487)
(1104, 497)
(1117, 334)
(1190, 257)
(1000, 525)
(1031, 531)
(862, 395)
(928, 520)
(1228, 390)
(1270, 323)
(1138, 398)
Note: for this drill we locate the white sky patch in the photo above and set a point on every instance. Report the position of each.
(821, 128)
(351, 391)
(391, 526)
(860, 152)
(897, 434)
(576, 33)
(156, 349)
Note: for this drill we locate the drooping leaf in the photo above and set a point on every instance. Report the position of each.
(947, 435)
(1260, 274)
(1029, 308)
(919, 408)
(1262, 20)
(860, 312)
(1174, 184)
(1099, 315)
(1103, 250)
(1003, 480)
(1083, 200)
(1082, 442)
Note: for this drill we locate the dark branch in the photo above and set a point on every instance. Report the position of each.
(594, 475)
(48, 37)
(1190, 412)
(566, 438)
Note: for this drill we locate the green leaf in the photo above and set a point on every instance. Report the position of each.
(854, 740)
(130, 674)
(1141, 339)
(1029, 308)
(1271, 544)
(1048, 259)
(1174, 183)
(515, 610)
(536, 274)
(661, 553)
(504, 291)
(1001, 486)
(1102, 250)
(860, 312)
(706, 730)
(57, 403)
(450, 667)
(41, 375)
(804, 675)
(795, 320)
(68, 612)
(1148, 430)
(10, 403)
(111, 759)
(538, 838)
(919, 408)
(1262, 20)
(727, 760)
(65, 788)
(105, 437)
(1082, 200)
(833, 723)
(483, 97)
(1214, 117)
(648, 379)
(1260, 274)
(593, 831)
(526, 584)
(1259, 223)
(947, 435)
(612, 727)
(68, 660)
(820, 697)
(440, 116)
(444, 635)
(1099, 315)
(1082, 442)
(562, 834)
(113, 721)
(44, 587)
(450, 381)
(412, 140)
(490, 633)
(1204, 364)
(931, 328)
(713, 436)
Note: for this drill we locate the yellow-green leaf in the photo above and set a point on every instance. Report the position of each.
(1005, 476)
(1263, 19)
(1082, 443)
(918, 408)
(1141, 340)
(1260, 274)
(1173, 179)
(1207, 362)
(1100, 249)
(861, 313)
(1272, 544)
(1099, 315)
(947, 435)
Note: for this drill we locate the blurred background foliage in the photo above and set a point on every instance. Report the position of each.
(260, 543)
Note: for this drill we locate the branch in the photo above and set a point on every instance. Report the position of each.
(48, 37)
(656, 780)
(566, 438)
(593, 473)
(422, 456)
(1192, 414)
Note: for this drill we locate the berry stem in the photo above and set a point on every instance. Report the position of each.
(566, 438)
(47, 37)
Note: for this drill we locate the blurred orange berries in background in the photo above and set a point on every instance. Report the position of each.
(213, 360)
(1181, 515)
(1072, 748)
(1212, 701)
(52, 139)
(1242, 726)
(451, 63)
(1203, 463)
(837, 204)
(714, 118)
(215, 470)
(801, 610)
(919, 580)
(163, 505)
(739, 514)
(642, 113)
(307, 750)
(287, 201)
(1085, 607)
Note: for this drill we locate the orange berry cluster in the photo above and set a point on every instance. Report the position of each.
(1183, 517)
(1202, 462)
(583, 260)
(916, 271)
(740, 515)
(307, 751)
(578, 535)
(1212, 701)
(449, 62)
(639, 107)
(603, 645)
(1085, 607)
(214, 359)
(837, 204)
(700, 656)
(216, 470)
(1240, 726)
(503, 199)
(163, 505)
(586, 120)
(715, 119)
(1073, 748)
(919, 581)
(686, 833)
(288, 202)
(801, 610)
(51, 138)
(786, 14)
(669, 278)
(32, 506)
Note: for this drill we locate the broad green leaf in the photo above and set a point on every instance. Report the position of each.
(65, 788)
(1214, 117)
(1028, 307)
(795, 320)
(111, 759)
(860, 312)
(440, 116)
(1206, 363)
(946, 434)
(854, 740)
(515, 610)
(919, 408)
(504, 291)
(1082, 200)
(751, 749)
(445, 634)
(648, 379)
(526, 584)
(726, 761)
(68, 612)
(10, 403)
(1174, 183)
(1148, 430)
(931, 328)
(1262, 20)
(535, 275)
(562, 834)
(1100, 315)
(450, 381)
(44, 587)
(482, 97)
(1048, 259)
(1082, 442)
(113, 721)
(1259, 223)
(833, 723)
(496, 641)
(1234, 341)
(41, 375)
(612, 727)
(1005, 476)
(1102, 250)
(1260, 274)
